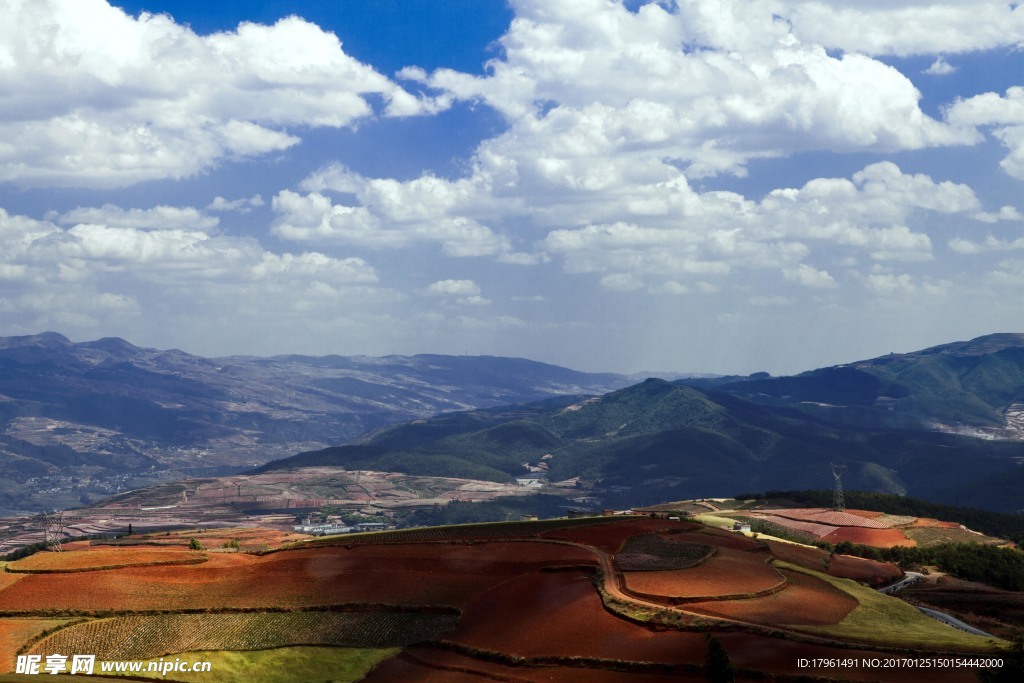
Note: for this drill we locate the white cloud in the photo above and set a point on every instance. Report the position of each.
(893, 286)
(940, 67)
(1004, 114)
(97, 98)
(93, 275)
(238, 205)
(809, 276)
(157, 218)
(465, 292)
(904, 28)
(621, 282)
(991, 243)
(453, 288)
(395, 215)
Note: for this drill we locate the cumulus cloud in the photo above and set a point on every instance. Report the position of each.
(389, 214)
(614, 113)
(906, 28)
(809, 276)
(90, 273)
(461, 291)
(237, 205)
(97, 98)
(157, 218)
(615, 82)
(940, 67)
(1004, 114)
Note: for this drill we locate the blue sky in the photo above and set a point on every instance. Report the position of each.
(708, 186)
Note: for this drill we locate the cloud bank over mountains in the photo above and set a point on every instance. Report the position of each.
(653, 164)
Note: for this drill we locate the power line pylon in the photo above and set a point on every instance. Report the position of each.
(838, 504)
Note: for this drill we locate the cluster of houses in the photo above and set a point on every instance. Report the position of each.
(329, 529)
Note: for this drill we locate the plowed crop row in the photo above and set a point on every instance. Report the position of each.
(728, 574)
(880, 538)
(415, 574)
(830, 517)
(650, 552)
(144, 637)
(14, 633)
(497, 530)
(813, 528)
(609, 537)
(560, 614)
(103, 558)
(805, 600)
(872, 572)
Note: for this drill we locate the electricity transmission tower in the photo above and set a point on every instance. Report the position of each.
(838, 504)
(53, 529)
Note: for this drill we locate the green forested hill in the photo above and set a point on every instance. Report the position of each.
(660, 440)
(960, 386)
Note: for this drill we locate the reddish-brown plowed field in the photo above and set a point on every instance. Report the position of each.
(805, 600)
(781, 657)
(872, 572)
(544, 614)
(14, 633)
(802, 555)
(6, 579)
(812, 528)
(432, 665)
(880, 538)
(97, 558)
(609, 536)
(717, 537)
(929, 522)
(728, 572)
(412, 575)
(868, 514)
(829, 517)
(842, 566)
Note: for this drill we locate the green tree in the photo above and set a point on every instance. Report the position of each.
(194, 544)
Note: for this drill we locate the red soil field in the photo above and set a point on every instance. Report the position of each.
(872, 572)
(434, 665)
(545, 614)
(14, 633)
(437, 574)
(868, 514)
(6, 579)
(97, 558)
(929, 522)
(880, 538)
(829, 517)
(727, 573)
(608, 537)
(718, 538)
(802, 555)
(805, 600)
(780, 657)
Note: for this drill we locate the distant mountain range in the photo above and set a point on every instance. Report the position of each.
(974, 387)
(941, 424)
(80, 421)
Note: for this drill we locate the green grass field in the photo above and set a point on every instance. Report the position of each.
(890, 621)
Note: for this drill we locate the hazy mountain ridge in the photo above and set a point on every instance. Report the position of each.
(90, 418)
(661, 440)
(974, 387)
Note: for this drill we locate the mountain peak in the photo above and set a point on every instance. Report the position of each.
(48, 339)
(989, 343)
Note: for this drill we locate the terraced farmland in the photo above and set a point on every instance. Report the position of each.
(148, 636)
